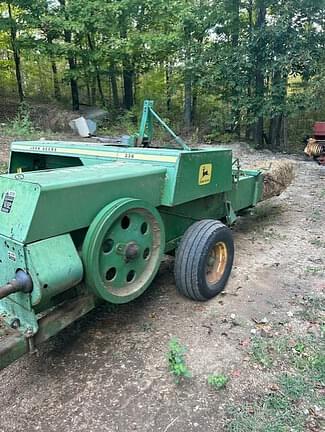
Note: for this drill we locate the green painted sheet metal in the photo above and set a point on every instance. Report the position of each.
(17, 305)
(91, 150)
(178, 218)
(246, 192)
(183, 166)
(190, 182)
(17, 206)
(13, 344)
(65, 269)
(49, 203)
(181, 190)
(12, 347)
(62, 316)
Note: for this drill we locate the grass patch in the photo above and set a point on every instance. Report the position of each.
(313, 309)
(294, 387)
(271, 414)
(297, 392)
(317, 242)
(278, 411)
(316, 215)
(314, 270)
(299, 355)
(317, 368)
(266, 351)
(260, 352)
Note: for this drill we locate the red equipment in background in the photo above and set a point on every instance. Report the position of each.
(315, 147)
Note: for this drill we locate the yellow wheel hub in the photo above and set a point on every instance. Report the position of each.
(216, 263)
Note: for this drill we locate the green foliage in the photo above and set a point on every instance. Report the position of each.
(218, 382)
(285, 406)
(293, 386)
(176, 360)
(272, 414)
(312, 308)
(317, 366)
(262, 351)
(122, 123)
(240, 63)
(280, 410)
(21, 125)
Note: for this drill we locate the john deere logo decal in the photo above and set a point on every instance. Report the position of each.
(205, 173)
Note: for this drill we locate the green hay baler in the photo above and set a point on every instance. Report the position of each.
(82, 223)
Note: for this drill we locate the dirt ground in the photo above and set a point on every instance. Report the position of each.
(108, 372)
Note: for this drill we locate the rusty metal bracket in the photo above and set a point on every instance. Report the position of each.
(15, 345)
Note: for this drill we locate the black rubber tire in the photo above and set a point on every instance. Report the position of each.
(192, 255)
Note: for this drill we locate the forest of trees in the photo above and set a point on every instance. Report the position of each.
(252, 67)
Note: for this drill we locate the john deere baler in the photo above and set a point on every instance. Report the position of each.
(82, 223)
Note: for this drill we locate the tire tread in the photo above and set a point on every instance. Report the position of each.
(189, 254)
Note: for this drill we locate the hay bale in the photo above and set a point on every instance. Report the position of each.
(278, 175)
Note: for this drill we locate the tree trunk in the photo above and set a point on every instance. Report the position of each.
(93, 91)
(100, 89)
(248, 131)
(275, 132)
(128, 72)
(284, 145)
(128, 68)
(74, 85)
(168, 73)
(194, 104)
(112, 75)
(259, 132)
(88, 93)
(259, 78)
(91, 45)
(187, 96)
(56, 86)
(279, 92)
(72, 67)
(234, 43)
(135, 87)
(13, 35)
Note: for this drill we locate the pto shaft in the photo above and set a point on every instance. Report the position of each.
(21, 283)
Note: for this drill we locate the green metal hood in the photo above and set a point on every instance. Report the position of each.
(37, 205)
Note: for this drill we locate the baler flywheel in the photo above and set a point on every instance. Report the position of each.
(123, 249)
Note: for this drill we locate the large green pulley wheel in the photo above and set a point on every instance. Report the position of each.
(122, 250)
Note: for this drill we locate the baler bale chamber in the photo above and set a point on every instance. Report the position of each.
(82, 223)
